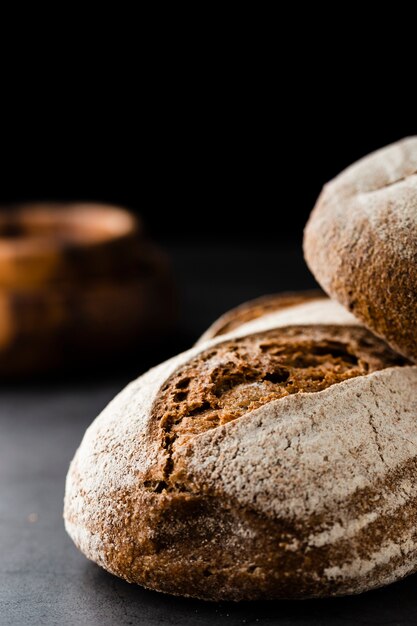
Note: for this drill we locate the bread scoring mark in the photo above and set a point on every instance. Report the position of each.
(236, 377)
(400, 179)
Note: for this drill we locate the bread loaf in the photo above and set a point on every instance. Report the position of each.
(361, 243)
(278, 460)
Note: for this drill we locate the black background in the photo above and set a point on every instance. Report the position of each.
(215, 165)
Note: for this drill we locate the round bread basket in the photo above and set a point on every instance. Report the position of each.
(78, 283)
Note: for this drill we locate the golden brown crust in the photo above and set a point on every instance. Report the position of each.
(208, 546)
(361, 243)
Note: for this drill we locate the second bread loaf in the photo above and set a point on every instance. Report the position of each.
(278, 460)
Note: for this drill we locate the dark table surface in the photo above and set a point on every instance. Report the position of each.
(43, 578)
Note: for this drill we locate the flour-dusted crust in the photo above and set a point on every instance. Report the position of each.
(337, 471)
(361, 242)
(310, 494)
(308, 311)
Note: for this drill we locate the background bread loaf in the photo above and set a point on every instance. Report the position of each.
(259, 307)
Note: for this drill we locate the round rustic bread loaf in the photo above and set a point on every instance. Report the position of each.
(78, 283)
(361, 243)
(278, 460)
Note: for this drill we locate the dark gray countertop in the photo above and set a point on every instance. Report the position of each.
(43, 578)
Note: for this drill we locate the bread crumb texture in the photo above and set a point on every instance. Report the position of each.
(238, 376)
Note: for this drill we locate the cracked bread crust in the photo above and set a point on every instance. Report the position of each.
(361, 243)
(227, 381)
(269, 494)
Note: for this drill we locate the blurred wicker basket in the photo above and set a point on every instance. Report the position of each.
(78, 282)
